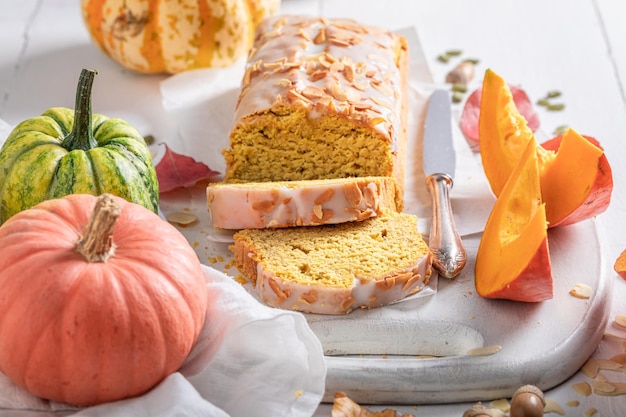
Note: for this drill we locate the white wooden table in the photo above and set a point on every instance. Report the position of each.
(575, 46)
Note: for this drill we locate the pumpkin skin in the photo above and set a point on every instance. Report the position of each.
(513, 260)
(74, 152)
(575, 175)
(160, 36)
(84, 332)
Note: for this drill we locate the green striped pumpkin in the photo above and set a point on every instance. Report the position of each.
(66, 152)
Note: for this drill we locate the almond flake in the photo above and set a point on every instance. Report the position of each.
(582, 388)
(485, 351)
(590, 412)
(582, 291)
(501, 404)
(553, 407)
(182, 219)
(620, 320)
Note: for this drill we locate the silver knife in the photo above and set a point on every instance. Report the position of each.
(449, 255)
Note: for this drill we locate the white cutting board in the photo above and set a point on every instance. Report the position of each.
(372, 354)
(375, 355)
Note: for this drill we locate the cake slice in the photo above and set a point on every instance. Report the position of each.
(334, 269)
(299, 203)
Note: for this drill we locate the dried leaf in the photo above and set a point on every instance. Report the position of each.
(179, 171)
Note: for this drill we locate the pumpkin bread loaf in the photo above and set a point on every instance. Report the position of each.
(299, 203)
(320, 99)
(334, 269)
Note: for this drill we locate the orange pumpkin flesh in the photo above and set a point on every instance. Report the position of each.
(580, 158)
(576, 179)
(86, 332)
(513, 261)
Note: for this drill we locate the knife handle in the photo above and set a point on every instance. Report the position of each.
(445, 243)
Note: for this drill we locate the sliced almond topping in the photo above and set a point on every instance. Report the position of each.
(353, 194)
(318, 75)
(313, 92)
(304, 34)
(346, 304)
(590, 412)
(181, 218)
(309, 297)
(280, 294)
(325, 196)
(553, 407)
(320, 37)
(386, 283)
(501, 404)
(590, 368)
(582, 388)
(620, 320)
(294, 94)
(336, 91)
(485, 350)
(582, 291)
(264, 206)
(318, 211)
(602, 387)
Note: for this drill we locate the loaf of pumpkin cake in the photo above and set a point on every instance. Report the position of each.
(299, 203)
(334, 269)
(320, 98)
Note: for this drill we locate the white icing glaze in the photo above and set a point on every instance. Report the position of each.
(303, 203)
(327, 66)
(328, 300)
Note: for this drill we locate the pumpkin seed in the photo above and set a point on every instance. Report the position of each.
(459, 88)
(457, 97)
(556, 107)
(553, 94)
(472, 61)
(149, 139)
(560, 130)
(454, 52)
(443, 58)
(543, 102)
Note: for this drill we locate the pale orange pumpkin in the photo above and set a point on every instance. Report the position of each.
(172, 36)
(95, 307)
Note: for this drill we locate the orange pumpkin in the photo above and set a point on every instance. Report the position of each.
(172, 36)
(575, 175)
(513, 260)
(95, 307)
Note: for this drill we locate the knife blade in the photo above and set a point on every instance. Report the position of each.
(449, 254)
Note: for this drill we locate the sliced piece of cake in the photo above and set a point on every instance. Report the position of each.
(299, 203)
(334, 269)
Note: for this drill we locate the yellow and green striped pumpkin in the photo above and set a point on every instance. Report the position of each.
(171, 36)
(66, 151)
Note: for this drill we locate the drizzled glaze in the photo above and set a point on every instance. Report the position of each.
(327, 66)
(299, 203)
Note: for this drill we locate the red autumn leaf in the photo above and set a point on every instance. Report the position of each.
(471, 112)
(177, 171)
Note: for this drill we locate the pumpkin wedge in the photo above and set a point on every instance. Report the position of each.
(513, 260)
(575, 176)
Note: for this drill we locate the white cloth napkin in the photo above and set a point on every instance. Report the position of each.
(250, 360)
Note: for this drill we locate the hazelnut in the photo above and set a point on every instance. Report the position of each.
(527, 401)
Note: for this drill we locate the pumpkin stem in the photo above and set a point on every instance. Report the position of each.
(81, 137)
(96, 244)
